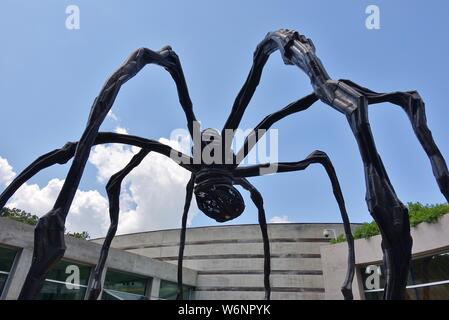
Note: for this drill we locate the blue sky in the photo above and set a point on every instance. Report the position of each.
(51, 75)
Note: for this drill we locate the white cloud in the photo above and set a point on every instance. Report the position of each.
(279, 219)
(111, 115)
(121, 130)
(152, 196)
(89, 210)
(6, 172)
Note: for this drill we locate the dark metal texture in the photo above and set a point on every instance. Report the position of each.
(113, 188)
(182, 242)
(213, 183)
(258, 202)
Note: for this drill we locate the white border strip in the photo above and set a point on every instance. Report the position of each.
(66, 283)
(429, 284)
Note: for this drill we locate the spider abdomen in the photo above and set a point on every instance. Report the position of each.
(218, 198)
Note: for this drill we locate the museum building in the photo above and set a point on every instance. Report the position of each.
(226, 262)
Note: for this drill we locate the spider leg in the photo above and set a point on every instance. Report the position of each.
(49, 232)
(384, 205)
(413, 105)
(113, 188)
(57, 156)
(64, 154)
(182, 237)
(292, 46)
(321, 158)
(252, 139)
(258, 201)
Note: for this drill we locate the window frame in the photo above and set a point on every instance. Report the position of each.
(442, 251)
(12, 270)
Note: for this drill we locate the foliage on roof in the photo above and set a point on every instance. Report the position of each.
(28, 218)
(418, 213)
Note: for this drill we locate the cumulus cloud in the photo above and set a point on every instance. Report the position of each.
(279, 219)
(6, 172)
(111, 115)
(89, 211)
(121, 130)
(152, 195)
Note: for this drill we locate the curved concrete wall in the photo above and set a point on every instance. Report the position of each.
(229, 259)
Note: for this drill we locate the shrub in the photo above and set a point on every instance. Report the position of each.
(28, 218)
(426, 213)
(19, 215)
(418, 213)
(79, 235)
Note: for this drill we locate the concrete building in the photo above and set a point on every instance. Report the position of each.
(229, 259)
(127, 275)
(429, 269)
(226, 262)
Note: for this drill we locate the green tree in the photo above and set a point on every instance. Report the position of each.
(418, 213)
(19, 215)
(79, 235)
(28, 218)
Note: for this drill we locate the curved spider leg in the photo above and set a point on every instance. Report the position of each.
(182, 237)
(258, 201)
(113, 188)
(320, 158)
(260, 58)
(57, 156)
(384, 205)
(49, 232)
(64, 154)
(285, 41)
(413, 105)
(252, 138)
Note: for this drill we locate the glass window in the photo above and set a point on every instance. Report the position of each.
(428, 279)
(65, 281)
(124, 286)
(168, 290)
(7, 257)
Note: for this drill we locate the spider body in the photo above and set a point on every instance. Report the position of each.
(216, 196)
(214, 175)
(214, 182)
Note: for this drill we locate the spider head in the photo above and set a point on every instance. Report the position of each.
(217, 197)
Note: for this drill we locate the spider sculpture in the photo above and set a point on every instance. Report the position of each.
(213, 183)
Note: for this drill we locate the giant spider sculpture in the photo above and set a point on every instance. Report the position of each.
(213, 183)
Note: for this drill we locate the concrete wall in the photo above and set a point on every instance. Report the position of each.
(229, 259)
(428, 239)
(20, 236)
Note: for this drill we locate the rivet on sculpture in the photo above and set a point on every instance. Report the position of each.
(213, 183)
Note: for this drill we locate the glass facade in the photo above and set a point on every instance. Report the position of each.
(65, 281)
(428, 279)
(124, 286)
(168, 290)
(7, 257)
